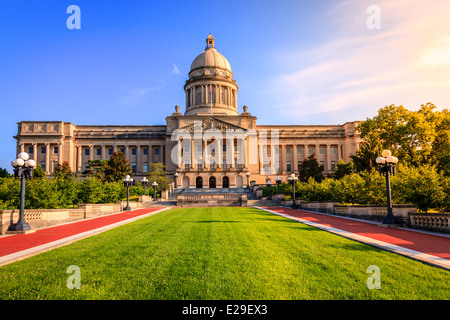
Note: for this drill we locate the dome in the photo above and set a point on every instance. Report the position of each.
(210, 57)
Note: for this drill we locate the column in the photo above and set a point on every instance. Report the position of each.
(138, 159)
(205, 154)
(91, 152)
(230, 152)
(79, 158)
(328, 160)
(127, 153)
(47, 158)
(35, 152)
(294, 158)
(60, 153)
(317, 152)
(339, 150)
(192, 153)
(103, 152)
(219, 150)
(179, 153)
(21, 147)
(243, 152)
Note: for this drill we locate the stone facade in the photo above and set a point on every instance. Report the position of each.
(210, 145)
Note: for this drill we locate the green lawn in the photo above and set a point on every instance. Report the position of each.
(220, 253)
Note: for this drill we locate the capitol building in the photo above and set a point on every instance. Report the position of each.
(212, 144)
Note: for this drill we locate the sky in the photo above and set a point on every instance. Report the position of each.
(295, 62)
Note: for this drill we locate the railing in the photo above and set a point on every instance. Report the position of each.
(435, 221)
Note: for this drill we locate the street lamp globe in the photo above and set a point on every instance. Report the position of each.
(386, 153)
(23, 155)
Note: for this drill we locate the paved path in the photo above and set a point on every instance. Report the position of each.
(427, 247)
(16, 247)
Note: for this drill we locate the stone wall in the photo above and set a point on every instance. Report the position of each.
(211, 200)
(39, 218)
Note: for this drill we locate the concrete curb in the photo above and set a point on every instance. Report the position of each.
(67, 240)
(416, 255)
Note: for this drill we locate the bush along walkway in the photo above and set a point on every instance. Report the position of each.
(20, 246)
(426, 247)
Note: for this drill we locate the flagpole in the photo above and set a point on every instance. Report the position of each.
(210, 89)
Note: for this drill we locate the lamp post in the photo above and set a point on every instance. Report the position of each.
(248, 179)
(293, 180)
(269, 184)
(176, 178)
(144, 182)
(154, 184)
(387, 167)
(127, 181)
(278, 181)
(23, 169)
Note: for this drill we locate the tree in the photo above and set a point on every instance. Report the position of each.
(117, 167)
(96, 168)
(4, 173)
(415, 137)
(39, 173)
(310, 168)
(63, 171)
(158, 173)
(343, 168)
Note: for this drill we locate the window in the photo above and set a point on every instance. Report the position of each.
(288, 150)
(30, 150)
(322, 165)
(99, 151)
(86, 152)
(322, 150)
(333, 165)
(288, 166)
(110, 151)
(145, 150)
(145, 166)
(310, 150)
(134, 167)
(300, 150)
(44, 150)
(199, 164)
(212, 164)
(133, 151)
(333, 150)
(156, 151)
(55, 149)
(122, 150)
(299, 164)
(224, 147)
(55, 164)
(43, 165)
(187, 165)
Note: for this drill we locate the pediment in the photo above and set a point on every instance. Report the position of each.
(212, 123)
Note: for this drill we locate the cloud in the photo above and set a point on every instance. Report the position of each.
(134, 96)
(175, 69)
(405, 62)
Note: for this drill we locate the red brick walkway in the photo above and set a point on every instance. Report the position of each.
(12, 244)
(427, 243)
